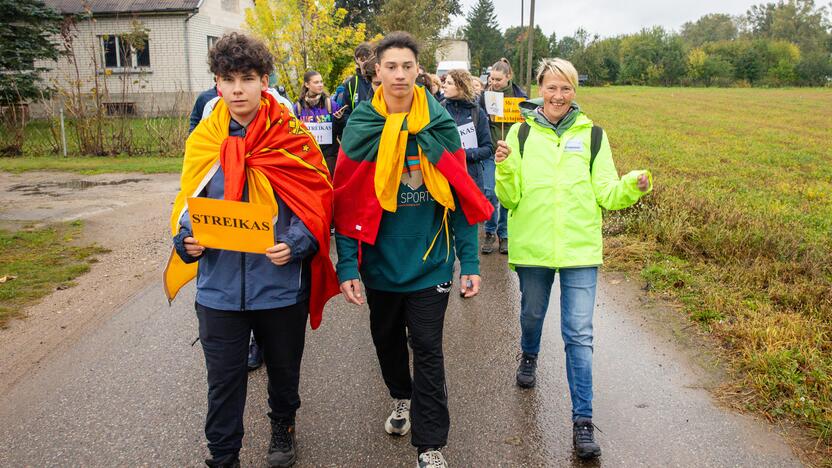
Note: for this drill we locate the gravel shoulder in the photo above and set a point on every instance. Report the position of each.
(126, 213)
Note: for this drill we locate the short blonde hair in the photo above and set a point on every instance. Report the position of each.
(560, 68)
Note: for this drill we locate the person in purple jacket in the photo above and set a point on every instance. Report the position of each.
(322, 115)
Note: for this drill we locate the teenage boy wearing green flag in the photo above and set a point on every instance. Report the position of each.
(405, 207)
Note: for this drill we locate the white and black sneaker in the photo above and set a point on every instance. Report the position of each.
(432, 459)
(398, 423)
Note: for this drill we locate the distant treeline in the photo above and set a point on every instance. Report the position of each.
(786, 43)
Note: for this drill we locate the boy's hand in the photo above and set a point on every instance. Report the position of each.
(470, 285)
(192, 247)
(503, 151)
(352, 291)
(279, 254)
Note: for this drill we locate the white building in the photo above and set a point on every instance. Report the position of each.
(160, 78)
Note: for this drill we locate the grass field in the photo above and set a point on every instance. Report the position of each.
(36, 261)
(93, 165)
(739, 229)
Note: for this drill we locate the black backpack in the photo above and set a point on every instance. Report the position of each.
(594, 141)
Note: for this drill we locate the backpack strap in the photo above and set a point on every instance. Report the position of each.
(523, 135)
(352, 89)
(594, 141)
(595, 145)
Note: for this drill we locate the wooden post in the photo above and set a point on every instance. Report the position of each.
(531, 49)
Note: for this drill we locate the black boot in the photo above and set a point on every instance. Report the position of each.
(282, 447)
(488, 243)
(583, 439)
(526, 370)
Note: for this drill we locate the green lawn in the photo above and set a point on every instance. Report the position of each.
(33, 262)
(93, 164)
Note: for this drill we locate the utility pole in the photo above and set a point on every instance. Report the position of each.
(520, 34)
(531, 49)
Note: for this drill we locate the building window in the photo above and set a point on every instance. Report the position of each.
(117, 53)
(231, 5)
(212, 40)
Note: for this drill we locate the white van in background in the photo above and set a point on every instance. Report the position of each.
(445, 66)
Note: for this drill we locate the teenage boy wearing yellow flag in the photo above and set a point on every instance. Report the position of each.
(405, 208)
(252, 149)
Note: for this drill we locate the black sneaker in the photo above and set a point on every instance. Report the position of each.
(583, 439)
(255, 355)
(282, 447)
(488, 243)
(231, 461)
(504, 245)
(526, 370)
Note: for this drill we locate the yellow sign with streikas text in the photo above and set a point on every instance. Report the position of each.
(231, 225)
(511, 110)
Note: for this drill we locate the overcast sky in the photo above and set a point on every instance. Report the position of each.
(608, 17)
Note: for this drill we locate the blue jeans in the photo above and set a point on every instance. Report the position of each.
(499, 219)
(577, 301)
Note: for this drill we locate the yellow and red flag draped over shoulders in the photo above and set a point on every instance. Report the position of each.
(277, 155)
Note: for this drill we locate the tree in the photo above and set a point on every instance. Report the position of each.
(305, 35)
(26, 29)
(483, 34)
(568, 46)
(424, 19)
(599, 61)
(361, 12)
(652, 57)
(709, 28)
(797, 21)
(516, 42)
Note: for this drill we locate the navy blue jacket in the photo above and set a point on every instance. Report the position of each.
(199, 105)
(228, 280)
(462, 113)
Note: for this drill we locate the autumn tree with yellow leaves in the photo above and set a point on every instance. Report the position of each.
(306, 35)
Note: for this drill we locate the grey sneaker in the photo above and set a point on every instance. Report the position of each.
(488, 243)
(282, 452)
(432, 459)
(526, 371)
(583, 439)
(504, 245)
(398, 423)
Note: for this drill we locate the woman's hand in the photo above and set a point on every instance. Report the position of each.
(503, 151)
(643, 182)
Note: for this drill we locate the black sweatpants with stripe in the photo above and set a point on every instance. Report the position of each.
(422, 312)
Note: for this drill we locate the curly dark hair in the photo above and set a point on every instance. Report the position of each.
(238, 53)
(397, 40)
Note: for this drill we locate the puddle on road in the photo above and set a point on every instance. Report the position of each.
(56, 189)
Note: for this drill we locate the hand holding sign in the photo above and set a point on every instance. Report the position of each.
(280, 254)
(192, 247)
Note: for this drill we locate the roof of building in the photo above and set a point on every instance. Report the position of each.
(123, 6)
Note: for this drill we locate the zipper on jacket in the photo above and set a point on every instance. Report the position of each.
(242, 282)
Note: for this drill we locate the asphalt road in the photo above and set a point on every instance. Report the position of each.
(132, 392)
